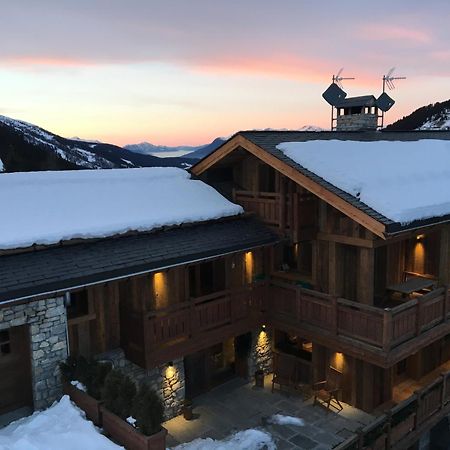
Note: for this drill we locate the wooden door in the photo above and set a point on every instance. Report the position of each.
(15, 369)
(196, 374)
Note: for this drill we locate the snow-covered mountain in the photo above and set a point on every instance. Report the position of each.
(25, 147)
(187, 151)
(431, 117)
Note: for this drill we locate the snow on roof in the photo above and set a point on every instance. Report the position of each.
(404, 181)
(47, 207)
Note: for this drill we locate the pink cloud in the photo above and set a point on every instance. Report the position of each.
(394, 32)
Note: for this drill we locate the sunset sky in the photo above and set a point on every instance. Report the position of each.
(185, 71)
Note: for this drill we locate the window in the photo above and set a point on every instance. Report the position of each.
(207, 278)
(5, 346)
(79, 305)
(266, 178)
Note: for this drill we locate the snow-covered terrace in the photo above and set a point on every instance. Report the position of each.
(49, 207)
(402, 180)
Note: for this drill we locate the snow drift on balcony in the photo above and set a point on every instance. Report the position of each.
(47, 207)
(403, 180)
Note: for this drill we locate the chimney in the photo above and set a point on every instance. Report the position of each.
(357, 114)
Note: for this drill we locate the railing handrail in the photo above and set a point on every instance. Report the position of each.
(360, 306)
(257, 194)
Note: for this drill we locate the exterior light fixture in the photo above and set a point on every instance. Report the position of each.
(263, 327)
(419, 237)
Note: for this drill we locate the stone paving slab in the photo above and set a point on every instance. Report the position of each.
(237, 405)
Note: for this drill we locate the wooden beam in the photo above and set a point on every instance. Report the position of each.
(348, 240)
(333, 199)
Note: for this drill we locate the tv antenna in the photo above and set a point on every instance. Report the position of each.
(338, 78)
(388, 80)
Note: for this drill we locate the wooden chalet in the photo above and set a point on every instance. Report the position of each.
(333, 285)
(349, 288)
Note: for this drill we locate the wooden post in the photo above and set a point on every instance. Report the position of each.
(418, 403)
(446, 298)
(334, 315)
(387, 428)
(282, 205)
(387, 329)
(444, 388)
(418, 317)
(295, 222)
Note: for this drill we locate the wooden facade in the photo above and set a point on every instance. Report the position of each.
(168, 314)
(331, 281)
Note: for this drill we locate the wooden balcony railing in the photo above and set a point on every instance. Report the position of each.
(199, 316)
(267, 205)
(384, 329)
(402, 425)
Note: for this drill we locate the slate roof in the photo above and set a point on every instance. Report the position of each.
(65, 267)
(268, 140)
(364, 100)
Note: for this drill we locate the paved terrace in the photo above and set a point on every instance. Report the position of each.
(237, 405)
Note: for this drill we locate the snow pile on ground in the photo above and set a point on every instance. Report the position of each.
(47, 207)
(2, 167)
(404, 181)
(279, 419)
(61, 427)
(243, 440)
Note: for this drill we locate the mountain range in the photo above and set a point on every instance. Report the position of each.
(190, 152)
(27, 147)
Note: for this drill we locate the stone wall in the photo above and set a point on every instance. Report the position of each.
(47, 322)
(261, 352)
(167, 381)
(356, 122)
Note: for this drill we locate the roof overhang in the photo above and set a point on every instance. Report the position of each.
(331, 198)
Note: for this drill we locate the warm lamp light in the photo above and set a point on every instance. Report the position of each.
(419, 237)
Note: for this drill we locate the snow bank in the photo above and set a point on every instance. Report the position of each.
(47, 207)
(404, 181)
(243, 440)
(279, 419)
(61, 427)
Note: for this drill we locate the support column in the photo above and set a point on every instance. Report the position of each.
(365, 280)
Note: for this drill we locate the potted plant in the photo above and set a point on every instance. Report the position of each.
(133, 420)
(82, 381)
(188, 412)
(259, 378)
(148, 411)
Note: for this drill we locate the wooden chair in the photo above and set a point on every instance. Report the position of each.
(327, 391)
(283, 371)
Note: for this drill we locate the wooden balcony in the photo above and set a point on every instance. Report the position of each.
(200, 322)
(402, 425)
(285, 213)
(386, 335)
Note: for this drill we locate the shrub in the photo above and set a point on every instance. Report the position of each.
(76, 368)
(118, 393)
(98, 373)
(148, 410)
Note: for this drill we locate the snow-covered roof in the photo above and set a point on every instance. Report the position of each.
(47, 207)
(402, 180)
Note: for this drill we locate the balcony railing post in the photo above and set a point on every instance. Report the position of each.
(387, 329)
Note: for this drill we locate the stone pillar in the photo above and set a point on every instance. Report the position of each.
(168, 380)
(47, 322)
(261, 352)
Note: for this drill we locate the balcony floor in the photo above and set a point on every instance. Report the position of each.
(237, 405)
(406, 388)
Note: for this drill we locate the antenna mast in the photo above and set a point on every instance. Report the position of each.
(388, 80)
(337, 79)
